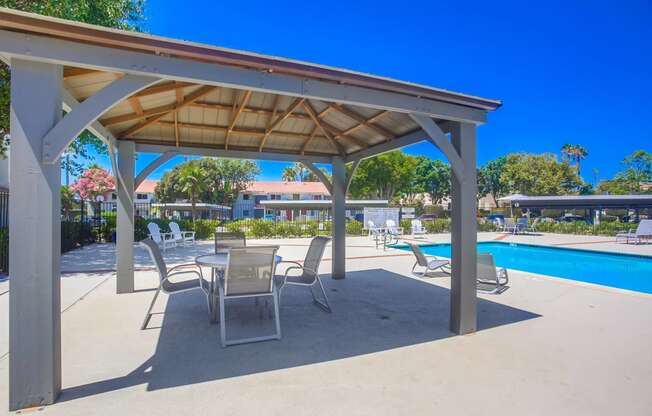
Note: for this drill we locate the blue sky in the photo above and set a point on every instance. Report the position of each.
(567, 71)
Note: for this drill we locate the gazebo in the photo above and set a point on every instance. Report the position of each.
(142, 93)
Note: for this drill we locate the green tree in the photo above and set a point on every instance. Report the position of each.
(432, 177)
(490, 179)
(289, 174)
(638, 169)
(226, 178)
(531, 174)
(384, 177)
(120, 14)
(193, 182)
(574, 153)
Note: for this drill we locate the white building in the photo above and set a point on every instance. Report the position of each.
(248, 204)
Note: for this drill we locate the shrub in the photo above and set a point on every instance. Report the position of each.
(75, 234)
(354, 227)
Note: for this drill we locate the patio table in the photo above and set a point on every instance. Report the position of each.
(217, 262)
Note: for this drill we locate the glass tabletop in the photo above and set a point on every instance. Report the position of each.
(218, 260)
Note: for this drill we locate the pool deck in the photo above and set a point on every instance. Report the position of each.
(545, 346)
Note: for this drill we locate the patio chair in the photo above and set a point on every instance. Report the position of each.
(309, 271)
(393, 232)
(642, 232)
(510, 226)
(522, 225)
(229, 240)
(181, 237)
(491, 279)
(417, 228)
(430, 263)
(371, 227)
(164, 240)
(249, 274)
(164, 274)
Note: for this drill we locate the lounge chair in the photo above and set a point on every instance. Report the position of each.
(164, 274)
(430, 263)
(642, 232)
(229, 240)
(379, 236)
(417, 228)
(491, 279)
(164, 240)
(249, 274)
(372, 228)
(309, 272)
(522, 225)
(181, 237)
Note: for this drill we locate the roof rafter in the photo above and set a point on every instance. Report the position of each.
(309, 139)
(236, 131)
(237, 111)
(362, 121)
(296, 103)
(195, 95)
(313, 114)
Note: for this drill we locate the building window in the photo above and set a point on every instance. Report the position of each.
(141, 196)
(114, 197)
(245, 197)
(316, 197)
(245, 213)
(275, 197)
(296, 197)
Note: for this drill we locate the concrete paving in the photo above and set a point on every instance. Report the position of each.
(545, 346)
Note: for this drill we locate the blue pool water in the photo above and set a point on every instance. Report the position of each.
(616, 270)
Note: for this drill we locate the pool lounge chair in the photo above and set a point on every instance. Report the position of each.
(164, 240)
(225, 240)
(393, 233)
(642, 233)
(522, 225)
(181, 237)
(430, 263)
(417, 228)
(373, 229)
(510, 226)
(491, 279)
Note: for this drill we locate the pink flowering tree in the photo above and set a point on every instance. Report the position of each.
(93, 182)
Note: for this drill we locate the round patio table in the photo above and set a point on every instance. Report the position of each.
(217, 262)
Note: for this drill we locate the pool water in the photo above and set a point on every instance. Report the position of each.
(615, 270)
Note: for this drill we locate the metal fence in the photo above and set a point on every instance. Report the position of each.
(4, 232)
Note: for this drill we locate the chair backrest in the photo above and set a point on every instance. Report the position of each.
(155, 255)
(314, 256)
(250, 270)
(175, 230)
(521, 222)
(644, 228)
(486, 267)
(154, 232)
(391, 226)
(421, 258)
(229, 240)
(416, 225)
(371, 225)
(499, 221)
(509, 222)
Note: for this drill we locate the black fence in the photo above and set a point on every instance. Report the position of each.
(4, 232)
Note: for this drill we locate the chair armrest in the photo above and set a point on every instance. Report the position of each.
(186, 265)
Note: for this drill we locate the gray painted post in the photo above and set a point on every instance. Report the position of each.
(34, 238)
(339, 218)
(463, 313)
(125, 231)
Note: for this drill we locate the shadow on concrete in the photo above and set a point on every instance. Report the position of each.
(373, 311)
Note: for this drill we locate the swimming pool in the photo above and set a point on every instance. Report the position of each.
(615, 270)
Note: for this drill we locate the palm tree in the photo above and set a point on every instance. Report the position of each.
(289, 174)
(574, 153)
(193, 181)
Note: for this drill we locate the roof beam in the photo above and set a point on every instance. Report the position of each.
(439, 139)
(236, 113)
(319, 174)
(76, 72)
(195, 95)
(296, 103)
(143, 146)
(309, 139)
(78, 54)
(152, 166)
(163, 87)
(384, 147)
(235, 131)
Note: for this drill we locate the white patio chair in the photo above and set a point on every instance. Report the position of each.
(181, 237)
(393, 232)
(417, 228)
(249, 274)
(522, 225)
(491, 279)
(164, 240)
(642, 232)
(309, 272)
(430, 263)
(510, 226)
(164, 274)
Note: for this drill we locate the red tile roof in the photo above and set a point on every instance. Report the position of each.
(147, 187)
(279, 187)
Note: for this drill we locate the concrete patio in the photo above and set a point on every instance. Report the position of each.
(545, 346)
